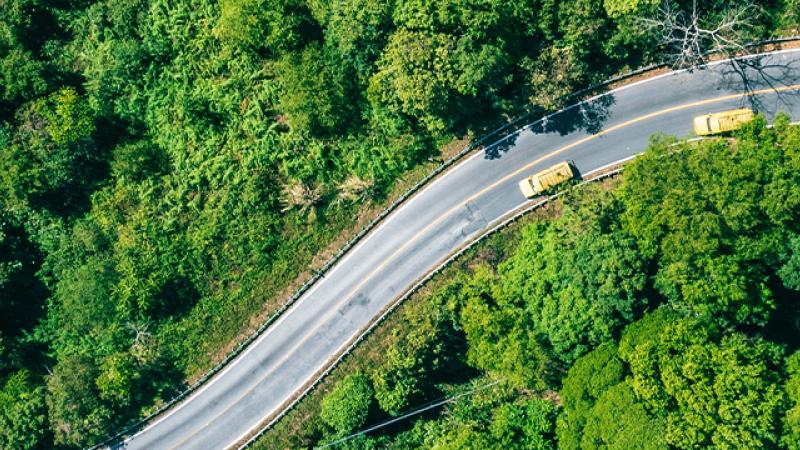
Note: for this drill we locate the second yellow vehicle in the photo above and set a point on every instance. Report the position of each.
(547, 179)
(722, 122)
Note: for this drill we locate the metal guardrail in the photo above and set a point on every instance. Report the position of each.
(509, 128)
(513, 217)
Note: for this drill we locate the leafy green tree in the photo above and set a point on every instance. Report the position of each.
(553, 76)
(317, 95)
(416, 74)
(500, 337)
(791, 421)
(716, 245)
(137, 161)
(22, 77)
(118, 373)
(529, 425)
(410, 364)
(113, 58)
(716, 390)
(358, 30)
(23, 416)
(790, 272)
(494, 417)
(586, 381)
(617, 8)
(618, 420)
(52, 162)
(77, 416)
(580, 278)
(347, 406)
(275, 26)
(24, 26)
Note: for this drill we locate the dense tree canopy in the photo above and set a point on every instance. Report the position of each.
(655, 313)
(346, 408)
(169, 168)
(578, 278)
(720, 225)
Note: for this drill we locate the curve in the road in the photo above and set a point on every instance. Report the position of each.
(452, 210)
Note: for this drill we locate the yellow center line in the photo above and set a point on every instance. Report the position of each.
(332, 311)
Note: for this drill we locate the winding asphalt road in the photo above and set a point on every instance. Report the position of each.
(449, 212)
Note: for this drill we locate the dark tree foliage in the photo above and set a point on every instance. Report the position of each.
(718, 218)
(647, 306)
(168, 168)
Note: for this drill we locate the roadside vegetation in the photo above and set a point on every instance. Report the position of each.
(168, 169)
(657, 312)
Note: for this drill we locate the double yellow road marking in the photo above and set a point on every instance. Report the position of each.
(332, 311)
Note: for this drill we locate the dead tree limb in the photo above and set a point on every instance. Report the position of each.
(689, 38)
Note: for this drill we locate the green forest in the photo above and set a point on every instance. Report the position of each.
(168, 168)
(660, 312)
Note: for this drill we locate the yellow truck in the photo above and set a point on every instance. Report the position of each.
(722, 122)
(546, 179)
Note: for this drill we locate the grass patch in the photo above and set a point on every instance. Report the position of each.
(237, 310)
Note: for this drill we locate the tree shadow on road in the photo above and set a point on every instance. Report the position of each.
(588, 116)
(762, 72)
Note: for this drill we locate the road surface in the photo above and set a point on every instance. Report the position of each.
(451, 210)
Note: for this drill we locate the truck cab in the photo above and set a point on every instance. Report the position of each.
(547, 179)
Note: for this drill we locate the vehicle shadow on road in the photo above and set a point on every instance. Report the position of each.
(588, 116)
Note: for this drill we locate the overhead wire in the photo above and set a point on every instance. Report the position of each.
(421, 409)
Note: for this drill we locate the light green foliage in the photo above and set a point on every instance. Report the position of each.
(316, 94)
(347, 406)
(22, 413)
(77, 416)
(490, 419)
(715, 218)
(21, 76)
(579, 278)
(114, 60)
(524, 426)
(67, 117)
(618, 421)
(499, 336)
(554, 75)
(790, 17)
(358, 30)
(137, 161)
(416, 75)
(117, 374)
(587, 380)
(617, 8)
(791, 421)
(447, 56)
(277, 26)
(48, 162)
(715, 390)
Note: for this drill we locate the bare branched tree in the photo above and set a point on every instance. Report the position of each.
(355, 189)
(144, 346)
(690, 38)
(301, 196)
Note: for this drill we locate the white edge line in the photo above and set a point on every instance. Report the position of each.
(395, 213)
(425, 278)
